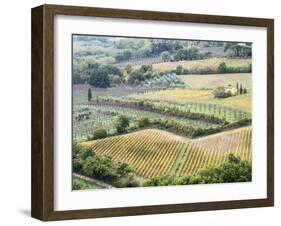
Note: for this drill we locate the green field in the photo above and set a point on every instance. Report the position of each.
(214, 80)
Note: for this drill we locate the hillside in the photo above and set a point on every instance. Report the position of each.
(155, 153)
(194, 65)
(242, 102)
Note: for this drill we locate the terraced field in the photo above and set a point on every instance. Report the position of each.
(155, 153)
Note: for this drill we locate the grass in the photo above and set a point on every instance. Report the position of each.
(215, 80)
(211, 63)
(242, 102)
(79, 184)
(80, 92)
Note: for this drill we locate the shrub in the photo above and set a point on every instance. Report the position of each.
(90, 164)
(234, 170)
(99, 134)
(165, 56)
(120, 122)
(222, 67)
(143, 122)
(179, 70)
(220, 92)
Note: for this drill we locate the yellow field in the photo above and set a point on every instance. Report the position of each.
(214, 150)
(211, 63)
(242, 102)
(153, 152)
(215, 80)
(150, 152)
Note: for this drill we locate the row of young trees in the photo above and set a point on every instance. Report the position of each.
(162, 108)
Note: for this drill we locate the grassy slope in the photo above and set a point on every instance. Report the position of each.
(215, 80)
(242, 102)
(156, 153)
(211, 63)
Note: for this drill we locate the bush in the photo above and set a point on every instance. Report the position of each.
(99, 134)
(143, 122)
(179, 70)
(222, 68)
(165, 56)
(234, 170)
(99, 78)
(220, 92)
(88, 163)
(120, 122)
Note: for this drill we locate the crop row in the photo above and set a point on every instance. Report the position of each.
(213, 150)
(102, 116)
(193, 110)
(150, 153)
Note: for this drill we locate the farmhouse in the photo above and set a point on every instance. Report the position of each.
(231, 90)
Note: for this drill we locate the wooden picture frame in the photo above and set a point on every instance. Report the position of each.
(43, 112)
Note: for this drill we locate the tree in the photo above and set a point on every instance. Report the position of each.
(99, 78)
(234, 170)
(99, 134)
(241, 89)
(179, 70)
(165, 56)
(128, 68)
(237, 87)
(191, 53)
(120, 122)
(244, 90)
(110, 69)
(239, 49)
(222, 67)
(143, 122)
(89, 94)
(220, 92)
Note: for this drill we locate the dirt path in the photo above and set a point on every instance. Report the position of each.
(94, 181)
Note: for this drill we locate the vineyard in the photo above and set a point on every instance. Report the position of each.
(155, 153)
(150, 152)
(197, 96)
(213, 150)
(167, 80)
(101, 116)
(156, 112)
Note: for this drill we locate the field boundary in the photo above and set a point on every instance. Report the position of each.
(94, 181)
(180, 158)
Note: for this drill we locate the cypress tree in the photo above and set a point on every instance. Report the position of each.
(89, 94)
(241, 89)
